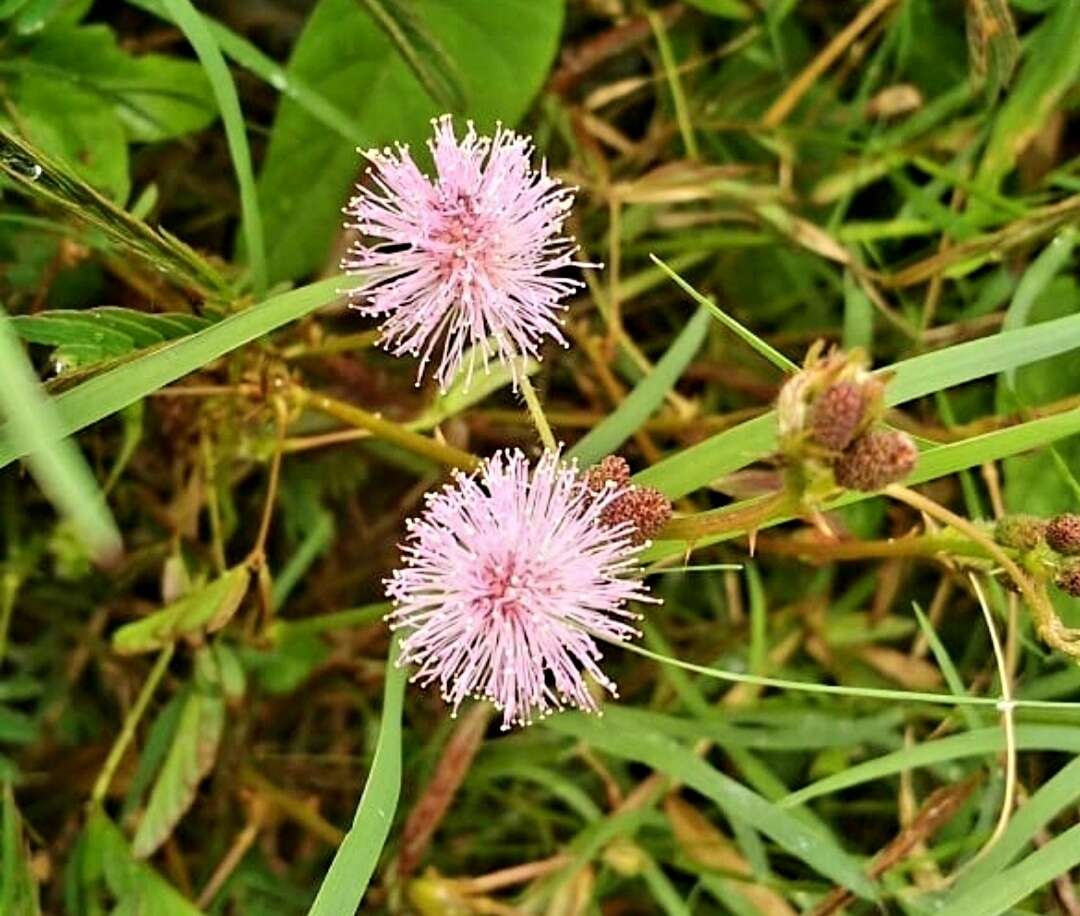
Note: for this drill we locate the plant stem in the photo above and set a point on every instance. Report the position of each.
(386, 429)
(127, 731)
(1047, 623)
(743, 516)
(9, 588)
(536, 411)
(925, 545)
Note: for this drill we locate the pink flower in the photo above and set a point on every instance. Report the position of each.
(509, 578)
(473, 258)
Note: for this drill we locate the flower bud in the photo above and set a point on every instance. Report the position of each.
(1063, 533)
(1068, 578)
(836, 415)
(1022, 532)
(876, 460)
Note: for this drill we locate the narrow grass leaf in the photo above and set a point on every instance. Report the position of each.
(770, 353)
(191, 23)
(647, 396)
(1052, 797)
(984, 741)
(248, 56)
(114, 390)
(355, 861)
(56, 462)
(999, 893)
(615, 736)
(1050, 262)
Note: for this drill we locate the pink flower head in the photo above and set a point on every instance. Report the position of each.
(473, 258)
(510, 575)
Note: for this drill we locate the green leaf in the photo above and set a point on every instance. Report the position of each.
(202, 611)
(49, 179)
(984, 741)
(347, 879)
(77, 126)
(616, 734)
(155, 96)
(1051, 68)
(18, 889)
(1051, 798)
(139, 890)
(421, 50)
(88, 336)
(191, 757)
(57, 464)
(647, 396)
(1050, 262)
(729, 9)
(345, 56)
(999, 893)
(191, 23)
(247, 55)
(116, 389)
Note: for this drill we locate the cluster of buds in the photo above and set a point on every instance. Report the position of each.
(1055, 544)
(826, 414)
(646, 508)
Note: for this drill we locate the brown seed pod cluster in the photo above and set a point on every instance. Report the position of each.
(646, 508)
(1068, 578)
(876, 460)
(836, 416)
(1063, 533)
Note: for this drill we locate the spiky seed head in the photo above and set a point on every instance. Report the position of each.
(646, 508)
(1063, 533)
(612, 468)
(876, 460)
(837, 415)
(1022, 532)
(1068, 578)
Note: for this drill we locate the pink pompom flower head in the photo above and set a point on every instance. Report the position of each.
(510, 576)
(472, 259)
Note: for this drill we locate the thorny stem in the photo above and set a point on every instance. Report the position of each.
(923, 545)
(386, 429)
(1047, 623)
(536, 411)
(127, 731)
(740, 517)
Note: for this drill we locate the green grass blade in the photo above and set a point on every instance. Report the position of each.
(354, 862)
(248, 56)
(1053, 797)
(773, 355)
(647, 396)
(114, 390)
(998, 894)
(1050, 262)
(56, 462)
(984, 741)
(613, 735)
(735, 448)
(945, 663)
(191, 23)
